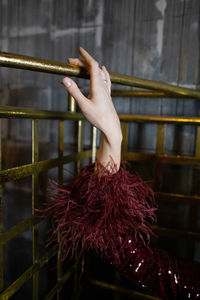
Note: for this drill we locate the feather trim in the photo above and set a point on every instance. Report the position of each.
(101, 210)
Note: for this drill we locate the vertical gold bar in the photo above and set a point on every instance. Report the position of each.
(159, 150)
(35, 202)
(72, 108)
(1, 219)
(80, 143)
(94, 143)
(197, 147)
(60, 150)
(71, 104)
(124, 127)
(60, 179)
(160, 139)
(195, 185)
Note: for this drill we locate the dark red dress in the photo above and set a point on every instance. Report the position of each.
(112, 213)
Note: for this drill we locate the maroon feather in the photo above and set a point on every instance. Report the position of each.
(102, 210)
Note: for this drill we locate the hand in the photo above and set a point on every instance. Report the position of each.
(98, 108)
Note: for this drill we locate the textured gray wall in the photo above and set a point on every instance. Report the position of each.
(157, 39)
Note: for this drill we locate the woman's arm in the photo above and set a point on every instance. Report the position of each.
(98, 108)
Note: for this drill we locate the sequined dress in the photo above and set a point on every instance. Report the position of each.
(112, 213)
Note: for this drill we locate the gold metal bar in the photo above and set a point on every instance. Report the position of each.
(17, 229)
(164, 158)
(160, 119)
(94, 143)
(129, 293)
(159, 151)
(41, 166)
(160, 139)
(124, 127)
(80, 143)
(59, 284)
(26, 113)
(11, 112)
(143, 94)
(1, 219)
(16, 285)
(162, 231)
(35, 203)
(193, 216)
(42, 65)
(189, 199)
(71, 104)
(197, 147)
(60, 178)
(60, 150)
(72, 108)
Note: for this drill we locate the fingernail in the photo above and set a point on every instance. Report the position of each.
(67, 83)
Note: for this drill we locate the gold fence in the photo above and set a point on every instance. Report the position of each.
(33, 169)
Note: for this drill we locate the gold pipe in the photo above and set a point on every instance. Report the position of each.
(168, 232)
(35, 203)
(43, 65)
(12, 112)
(60, 179)
(124, 126)
(143, 94)
(160, 143)
(94, 143)
(163, 158)
(1, 220)
(59, 284)
(179, 198)
(80, 143)
(197, 146)
(16, 285)
(18, 229)
(29, 169)
(71, 104)
(160, 119)
(128, 292)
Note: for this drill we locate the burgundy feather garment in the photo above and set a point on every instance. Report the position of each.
(112, 212)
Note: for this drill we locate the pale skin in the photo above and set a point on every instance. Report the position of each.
(98, 107)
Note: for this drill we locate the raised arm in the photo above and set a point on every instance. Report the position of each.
(98, 108)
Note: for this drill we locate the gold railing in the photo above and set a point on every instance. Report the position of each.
(33, 169)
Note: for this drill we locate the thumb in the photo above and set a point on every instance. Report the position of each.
(74, 91)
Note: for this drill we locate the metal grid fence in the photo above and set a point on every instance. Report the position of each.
(33, 169)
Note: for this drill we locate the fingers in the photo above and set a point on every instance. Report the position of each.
(107, 77)
(73, 89)
(88, 58)
(78, 62)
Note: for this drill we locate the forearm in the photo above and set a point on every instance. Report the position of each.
(110, 149)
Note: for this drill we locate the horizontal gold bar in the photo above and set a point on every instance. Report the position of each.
(153, 85)
(17, 229)
(23, 113)
(128, 292)
(29, 169)
(163, 158)
(16, 285)
(168, 232)
(160, 119)
(43, 65)
(144, 94)
(189, 199)
(27, 113)
(62, 280)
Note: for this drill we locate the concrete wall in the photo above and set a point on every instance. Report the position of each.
(157, 39)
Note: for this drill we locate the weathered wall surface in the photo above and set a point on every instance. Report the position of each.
(157, 39)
